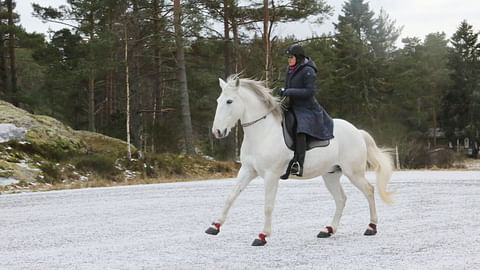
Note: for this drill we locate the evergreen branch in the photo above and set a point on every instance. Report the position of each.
(60, 22)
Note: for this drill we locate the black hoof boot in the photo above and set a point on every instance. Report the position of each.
(323, 234)
(372, 229)
(260, 241)
(214, 229)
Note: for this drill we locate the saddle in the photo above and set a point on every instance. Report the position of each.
(289, 126)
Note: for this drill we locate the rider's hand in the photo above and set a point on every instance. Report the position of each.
(281, 92)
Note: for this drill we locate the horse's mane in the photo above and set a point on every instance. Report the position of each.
(263, 93)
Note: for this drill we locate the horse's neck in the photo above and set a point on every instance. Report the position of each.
(261, 130)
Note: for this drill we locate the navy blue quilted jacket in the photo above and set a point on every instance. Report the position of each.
(300, 86)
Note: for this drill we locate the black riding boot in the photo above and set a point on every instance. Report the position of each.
(289, 167)
(300, 146)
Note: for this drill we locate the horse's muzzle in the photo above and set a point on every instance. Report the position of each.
(219, 134)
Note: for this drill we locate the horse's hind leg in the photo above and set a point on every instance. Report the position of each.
(332, 181)
(358, 179)
(245, 176)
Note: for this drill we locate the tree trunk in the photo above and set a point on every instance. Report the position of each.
(434, 90)
(236, 43)
(235, 64)
(227, 48)
(91, 79)
(108, 111)
(11, 53)
(3, 69)
(182, 80)
(266, 40)
(434, 116)
(137, 117)
(158, 71)
(91, 101)
(127, 88)
(230, 141)
(3, 59)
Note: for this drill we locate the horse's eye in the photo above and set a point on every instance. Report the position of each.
(229, 101)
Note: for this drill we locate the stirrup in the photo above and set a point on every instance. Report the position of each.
(295, 168)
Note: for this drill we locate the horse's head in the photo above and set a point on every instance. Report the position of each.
(230, 108)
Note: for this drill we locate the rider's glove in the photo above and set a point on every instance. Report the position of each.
(281, 92)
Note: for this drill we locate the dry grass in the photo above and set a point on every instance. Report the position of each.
(226, 170)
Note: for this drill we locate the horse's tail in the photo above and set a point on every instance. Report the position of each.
(381, 161)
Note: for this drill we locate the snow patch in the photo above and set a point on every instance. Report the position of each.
(8, 181)
(22, 164)
(10, 132)
(208, 157)
(129, 174)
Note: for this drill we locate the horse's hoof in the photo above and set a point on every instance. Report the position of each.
(323, 235)
(214, 229)
(328, 233)
(372, 229)
(260, 241)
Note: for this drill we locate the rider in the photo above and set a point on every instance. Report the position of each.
(311, 119)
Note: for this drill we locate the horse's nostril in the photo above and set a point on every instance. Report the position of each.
(224, 131)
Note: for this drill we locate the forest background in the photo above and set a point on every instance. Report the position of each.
(153, 66)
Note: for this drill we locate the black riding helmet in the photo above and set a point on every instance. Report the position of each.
(297, 51)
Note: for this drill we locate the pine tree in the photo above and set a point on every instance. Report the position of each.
(461, 110)
(363, 46)
(435, 77)
(8, 56)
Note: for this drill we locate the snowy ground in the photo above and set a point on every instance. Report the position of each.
(434, 224)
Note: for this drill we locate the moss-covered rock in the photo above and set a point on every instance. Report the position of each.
(47, 146)
(99, 143)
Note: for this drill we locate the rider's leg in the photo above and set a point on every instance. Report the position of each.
(300, 146)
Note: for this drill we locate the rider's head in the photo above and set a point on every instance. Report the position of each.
(297, 52)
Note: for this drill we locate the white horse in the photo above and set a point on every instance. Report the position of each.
(264, 153)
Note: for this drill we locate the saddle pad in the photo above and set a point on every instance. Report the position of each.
(288, 126)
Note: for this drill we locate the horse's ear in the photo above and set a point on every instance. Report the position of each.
(222, 83)
(237, 82)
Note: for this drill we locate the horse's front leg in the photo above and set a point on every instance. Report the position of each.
(271, 187)
(244, 177)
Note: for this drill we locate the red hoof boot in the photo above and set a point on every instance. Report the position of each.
(214, 229)
(372, 229)
(260, 241)
(325, 234)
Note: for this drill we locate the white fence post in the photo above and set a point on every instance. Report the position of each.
(397, 158)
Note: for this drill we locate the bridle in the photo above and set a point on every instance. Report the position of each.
(261, 118)
(255, 121)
